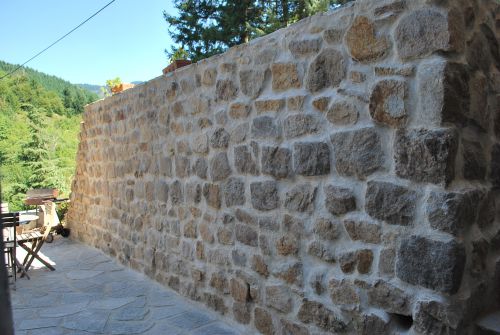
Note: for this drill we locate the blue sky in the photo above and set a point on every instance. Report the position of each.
(126, 39)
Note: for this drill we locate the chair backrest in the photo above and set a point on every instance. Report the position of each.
(9, 220)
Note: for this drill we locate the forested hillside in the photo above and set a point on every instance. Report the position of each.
(39, 123)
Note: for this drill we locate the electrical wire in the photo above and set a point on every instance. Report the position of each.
(47, 48)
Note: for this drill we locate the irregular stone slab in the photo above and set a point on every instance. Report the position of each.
(265, 127)
(311, 158)
(263, 321)
(342, 113)
(389, 202)
(246, 235)
(343, 292)
(387, 102)
(82, 274)
(239, 110)
(276, 161)
(339, 200)
(366, 231)
(363, 44)
(37, 324)
(234, 192)
(81, 322)
(357, 152)
(217, 328)
(111, 303)
(305, 47)
(389, 298)
(279, 298)
(225, 90)
(316, 313)
(300, 198)
(63, 310)
(264, 195)
(474, 160)
(190, 320)
(285, 76)
(251, 82)
(300, 124)
(326, 70)
(423, 155)
(422, 32)
(432, 264)
(126, 328)
(219, 167)
(433, 317)
(130, 314)
(219, 139)
(244, 161)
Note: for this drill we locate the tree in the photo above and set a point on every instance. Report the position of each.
(207, 27)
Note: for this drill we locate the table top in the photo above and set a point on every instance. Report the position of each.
(25, 218)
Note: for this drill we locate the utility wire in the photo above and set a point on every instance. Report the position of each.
(72, 30)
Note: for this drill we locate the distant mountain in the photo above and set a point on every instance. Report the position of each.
(93, 88)
(65, 89)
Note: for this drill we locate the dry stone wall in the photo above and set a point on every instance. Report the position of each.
(337, 176)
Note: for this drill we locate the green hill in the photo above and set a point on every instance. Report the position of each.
(40, 119)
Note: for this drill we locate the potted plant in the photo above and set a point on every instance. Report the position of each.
(116, 86)
(177, 60)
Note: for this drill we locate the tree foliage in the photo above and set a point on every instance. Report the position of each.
(38, 133)
(207, 27)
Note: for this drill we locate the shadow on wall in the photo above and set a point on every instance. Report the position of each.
(5, 309)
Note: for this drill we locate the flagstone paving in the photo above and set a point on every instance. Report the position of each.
(90, 293)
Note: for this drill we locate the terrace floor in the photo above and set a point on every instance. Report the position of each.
(90, 293)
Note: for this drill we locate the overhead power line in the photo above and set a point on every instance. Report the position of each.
(47, 48)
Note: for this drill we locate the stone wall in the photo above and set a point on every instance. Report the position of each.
(337, 176)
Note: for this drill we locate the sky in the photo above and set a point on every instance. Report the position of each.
(126, 40)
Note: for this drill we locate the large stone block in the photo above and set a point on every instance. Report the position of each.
(423, 32)
(305, 47)
(219, 139)
(251, 82)
(300, 198)
(474, 167)
(244, 161)
(389, 202)
(357, 152)
(263, 321)
(264, 195)
(443, 92)
(495, 166)
(433, 317)
(423, 155)
(364, 45)
(342, 113)
(387, 102)
(200, 167)
(246, 235)
(285, 76)
(276, 161)
(432, 264)
(317, 314)
(300, 124)
(234, 192)
(365, 231)
(389, 298)
(279, 298)
(265, 127)
(326, 70)
(219, 167)
(311, 158)
(212, 195)
(226, 90)
(339, 200)
(240, 290)
(451, 212)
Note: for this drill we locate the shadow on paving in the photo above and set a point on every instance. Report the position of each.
(90, 293)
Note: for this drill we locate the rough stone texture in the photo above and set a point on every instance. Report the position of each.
(300, 124)
(389, 298)
(326, 70)
(451, 212)
(342, 113)
(285, 76)
(226, 166)
(300, 198)
(368, 232)
(364, 45)
(422, 32)
(279, 298)
(264, 195)
(432, 317)
(263, 321)
(219, 167)
(392, 203)
(387, 102)
(339, 200)
(316, 313)
(431, 264)
(276, 161)
(357, 152)
(311, 159)
(426, 155)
